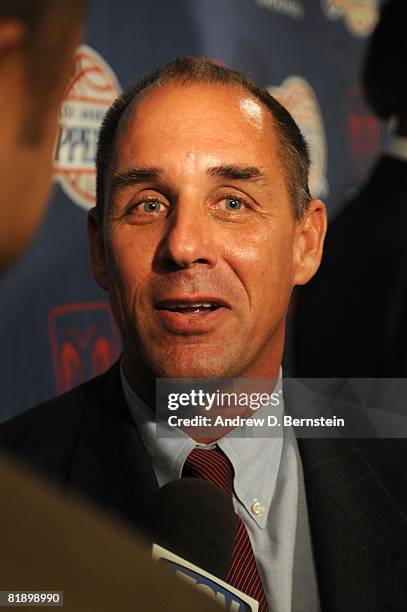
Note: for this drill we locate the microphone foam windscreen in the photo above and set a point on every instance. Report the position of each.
(194, 519)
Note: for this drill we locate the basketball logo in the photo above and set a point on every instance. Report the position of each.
(360, 16)
(298, 97)
(90, 92)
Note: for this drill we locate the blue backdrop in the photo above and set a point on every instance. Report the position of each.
(56, 328)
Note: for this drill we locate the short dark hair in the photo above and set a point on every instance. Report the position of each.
(384, 76)
(187, 70)
(48, 24)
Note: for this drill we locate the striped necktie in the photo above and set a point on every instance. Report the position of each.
(214, 466)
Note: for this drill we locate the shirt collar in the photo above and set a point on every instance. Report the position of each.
(397, 147)
(255, 461)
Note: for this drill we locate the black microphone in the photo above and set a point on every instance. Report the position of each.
(193, 525)
(194, 519)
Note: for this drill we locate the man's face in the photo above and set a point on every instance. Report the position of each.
(200, 246)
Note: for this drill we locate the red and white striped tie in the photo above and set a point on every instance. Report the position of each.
(214, 466)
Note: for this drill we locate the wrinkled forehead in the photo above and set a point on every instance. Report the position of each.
(197, 114)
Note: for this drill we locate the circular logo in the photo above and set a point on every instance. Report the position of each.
(360, 16)
(298, 97)
(91, 91)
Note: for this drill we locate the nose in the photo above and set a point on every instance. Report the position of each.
(189, 239)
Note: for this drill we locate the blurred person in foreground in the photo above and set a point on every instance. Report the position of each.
(49, 541)
(351, 319)
(203, 225)
(37, 43)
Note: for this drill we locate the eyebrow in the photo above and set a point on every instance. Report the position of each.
(233, 172)
(134, 176)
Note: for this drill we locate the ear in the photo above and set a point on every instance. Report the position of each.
(309, 242)
(97, 249)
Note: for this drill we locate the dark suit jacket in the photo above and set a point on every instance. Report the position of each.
(356, 493)
(351, 318)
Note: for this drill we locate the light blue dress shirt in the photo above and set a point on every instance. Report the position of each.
(268, 495)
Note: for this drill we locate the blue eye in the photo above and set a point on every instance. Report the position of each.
(233, 203)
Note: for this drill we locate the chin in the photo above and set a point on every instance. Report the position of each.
(192, 364)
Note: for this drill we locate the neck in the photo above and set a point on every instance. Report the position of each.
(143, 382)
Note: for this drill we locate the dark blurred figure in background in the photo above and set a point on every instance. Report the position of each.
(351, 319)
(37, 43)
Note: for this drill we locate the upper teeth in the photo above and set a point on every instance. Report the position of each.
(193, 305)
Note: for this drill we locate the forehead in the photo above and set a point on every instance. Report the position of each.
(199, 120)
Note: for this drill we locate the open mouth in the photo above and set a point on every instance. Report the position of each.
(196, 308)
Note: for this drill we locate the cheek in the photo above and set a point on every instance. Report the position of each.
(128, 267)
(264, 265)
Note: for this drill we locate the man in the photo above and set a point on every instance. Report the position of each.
(358, 299)
(202, 227)
(49, 541)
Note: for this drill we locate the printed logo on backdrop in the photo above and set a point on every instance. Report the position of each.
(360, 16)
(291, 8)
(298, 97)
(363, 130)
(90, 92)
(84, 342)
